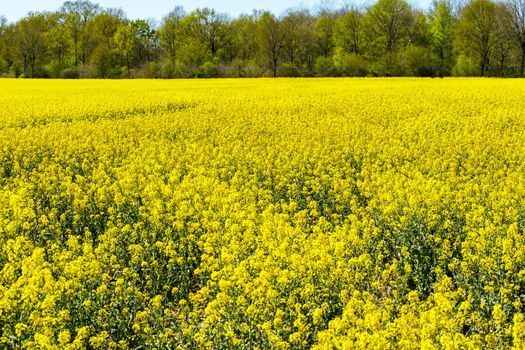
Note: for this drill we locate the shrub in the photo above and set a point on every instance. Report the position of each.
(324, 67)
(350, 64)
(69, 73)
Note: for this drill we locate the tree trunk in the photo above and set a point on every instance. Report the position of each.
(33, 63)
(127, 64)
(522, 59)
(76, 54)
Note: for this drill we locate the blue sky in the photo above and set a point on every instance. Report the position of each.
(14, 9)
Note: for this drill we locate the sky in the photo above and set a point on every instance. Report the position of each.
(13, 10)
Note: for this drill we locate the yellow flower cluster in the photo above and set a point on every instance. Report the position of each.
(258, 214)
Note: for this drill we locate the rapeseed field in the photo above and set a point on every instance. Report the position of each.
(262, 214)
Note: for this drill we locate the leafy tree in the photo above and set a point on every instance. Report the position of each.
(105, 25)
(146, 42)
(298, 40)
(105, 56)
(324, 34)
(125, 43)
(5, 59)
(389, 38)
(78, 14)
(442, 35)
(420, 33)
(31, 41)
(421, 62)
(208, 27)
(349, 31)
(171, 31)
(56, 37)
(476, 32)
(244, 36)
(271, 41)
(389, 23)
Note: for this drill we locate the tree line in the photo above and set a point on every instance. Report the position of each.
(388, 38)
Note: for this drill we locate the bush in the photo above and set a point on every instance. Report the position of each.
(324, 67)
(252, 69)
(293, 70)
(3, 66)
(167, 70)
(420, 62)
(465, 67)
(208, 70)
(350, 64)
(231, 70)
(15, 70)
(55, 67)
(105, 62)
(69, 73)
(151, 70)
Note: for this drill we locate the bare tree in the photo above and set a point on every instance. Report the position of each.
(514, 11)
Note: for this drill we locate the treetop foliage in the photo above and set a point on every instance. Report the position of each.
(388, 38)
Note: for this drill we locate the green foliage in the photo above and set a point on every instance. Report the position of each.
(324, 34)
(349, 31)
(420, 62)
(465, 67)
(209, 70)
(476, 32)
(442, 35)
(324, 67)
(70, 73)
(387, 38)
(55, 68)
(388, 23)
(350, 64)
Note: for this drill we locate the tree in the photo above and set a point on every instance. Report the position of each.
(388, 38)
(31, 40)
(270, 38)
(104, 26)
(125, 43)
(3, 26)
(298, 28)
(514, 14)
(4, 29)
(504, 42)
(389, 23)
(77, 16)
(56, 37)
(105, 56)
(170, 32)
(146, 43)
(442, 35)
(419, 31)
(476, 31)
(244, 36)
(324, 34)
(209, 27)
(348, 33)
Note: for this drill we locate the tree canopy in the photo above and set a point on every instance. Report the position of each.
(388, 38)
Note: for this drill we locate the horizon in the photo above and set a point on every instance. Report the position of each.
(156, 9)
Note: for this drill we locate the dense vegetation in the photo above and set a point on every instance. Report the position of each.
(388, 38)
(262, 214)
